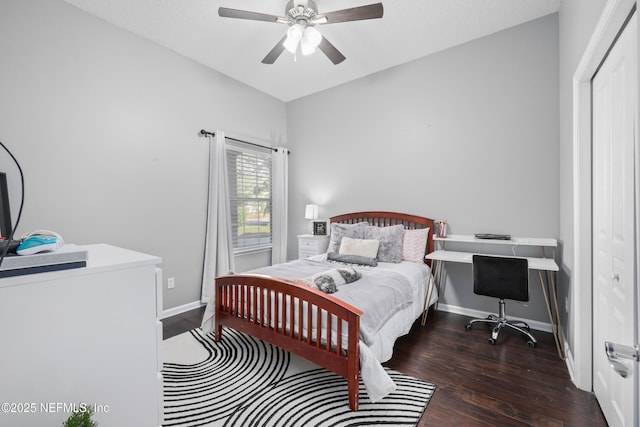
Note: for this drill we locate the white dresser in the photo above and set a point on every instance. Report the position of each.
(87, 335)
(310, 245)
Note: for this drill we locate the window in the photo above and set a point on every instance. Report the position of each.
(250, 196)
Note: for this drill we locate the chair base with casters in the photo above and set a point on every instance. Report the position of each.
(500, 322)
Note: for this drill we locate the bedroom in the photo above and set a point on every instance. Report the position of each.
(105, 124)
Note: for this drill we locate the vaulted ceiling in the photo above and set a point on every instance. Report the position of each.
(409, 29)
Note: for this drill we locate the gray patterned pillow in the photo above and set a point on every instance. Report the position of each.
(328, 281)
(338, 231)
(352, 259)
(390, 249)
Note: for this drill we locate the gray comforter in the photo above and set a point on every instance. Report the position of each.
(379, 293)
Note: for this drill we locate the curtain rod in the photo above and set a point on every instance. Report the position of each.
(207, 133)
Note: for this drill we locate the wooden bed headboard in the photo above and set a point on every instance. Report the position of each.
(385, 219)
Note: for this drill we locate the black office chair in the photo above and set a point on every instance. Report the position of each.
(503, 278)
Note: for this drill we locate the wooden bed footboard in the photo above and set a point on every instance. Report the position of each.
(280, 311)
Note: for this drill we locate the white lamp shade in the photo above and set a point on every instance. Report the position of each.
(310, 40)
(305, 47)
(291, 45)
(294, 34)
(311, 212)
(312, 36)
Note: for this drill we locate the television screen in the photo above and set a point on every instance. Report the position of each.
(5, 210)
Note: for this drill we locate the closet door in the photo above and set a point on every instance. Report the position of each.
(614, 284)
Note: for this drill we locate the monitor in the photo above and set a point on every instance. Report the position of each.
(5, 209)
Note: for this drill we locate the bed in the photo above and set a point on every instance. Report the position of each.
(342, 331)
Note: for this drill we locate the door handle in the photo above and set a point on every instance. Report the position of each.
(619, 355)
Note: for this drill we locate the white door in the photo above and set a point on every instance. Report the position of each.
(614, 263)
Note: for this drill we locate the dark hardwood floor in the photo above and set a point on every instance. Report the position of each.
(478, 384)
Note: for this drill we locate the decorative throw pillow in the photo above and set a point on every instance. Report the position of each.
(414, 244)
(361, 247)
(352, 259)
(390, 249)
(338, 231)
(328, 281)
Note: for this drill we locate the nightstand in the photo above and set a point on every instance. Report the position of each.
(310, 245)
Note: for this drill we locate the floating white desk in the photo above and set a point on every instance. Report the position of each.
(545, 264)
(514, 241)
(541, 264)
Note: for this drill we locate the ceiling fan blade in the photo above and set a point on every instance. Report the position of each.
(330, 50)
(225, 12)
(275, 52)
(371, 11)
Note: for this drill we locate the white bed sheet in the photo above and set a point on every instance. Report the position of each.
(376, 380)
(400, 324)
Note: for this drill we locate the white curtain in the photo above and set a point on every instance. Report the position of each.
(218, 252)
(279, 204)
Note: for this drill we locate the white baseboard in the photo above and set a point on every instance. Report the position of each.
(180, 309)
(534, 324)
(571, 364)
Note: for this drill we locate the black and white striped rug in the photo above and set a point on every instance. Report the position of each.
(243, 381)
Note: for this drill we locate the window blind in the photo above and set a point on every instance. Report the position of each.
(250, 197)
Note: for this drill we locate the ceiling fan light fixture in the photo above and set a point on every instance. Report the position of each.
(290, 44)
(294, 34)
(312, 36)
(306, 47)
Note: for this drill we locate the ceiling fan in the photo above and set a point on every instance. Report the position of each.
(302, 17)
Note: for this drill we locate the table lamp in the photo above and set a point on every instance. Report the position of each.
(311, 212)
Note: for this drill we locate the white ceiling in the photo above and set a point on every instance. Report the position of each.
(410, 29)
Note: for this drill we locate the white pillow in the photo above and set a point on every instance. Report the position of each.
(362, 247)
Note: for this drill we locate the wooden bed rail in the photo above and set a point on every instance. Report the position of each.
(280, 312)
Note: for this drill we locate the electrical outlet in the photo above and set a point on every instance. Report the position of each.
(171, 283)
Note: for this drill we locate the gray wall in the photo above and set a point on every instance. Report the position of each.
(105, 126)
(577, 22)
(469, 134)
